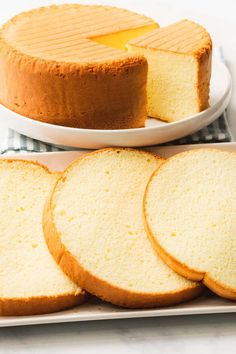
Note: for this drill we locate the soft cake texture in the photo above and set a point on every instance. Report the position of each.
(179, 69)
(190, 211)
(30, 280)
(94, 228)
(67, 65)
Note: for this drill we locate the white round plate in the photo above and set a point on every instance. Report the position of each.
(155, 132)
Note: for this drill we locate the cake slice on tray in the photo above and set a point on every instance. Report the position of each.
(179, 69)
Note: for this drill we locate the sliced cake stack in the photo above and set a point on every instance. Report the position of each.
(118, 221)
(125, 225)
(94, 228)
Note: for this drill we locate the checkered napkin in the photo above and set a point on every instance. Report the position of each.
(217, 132)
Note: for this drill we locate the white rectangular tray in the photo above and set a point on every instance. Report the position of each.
(95, 309)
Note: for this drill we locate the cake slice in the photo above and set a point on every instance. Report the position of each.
(190, 211)
(30, 280)
(93, 225)
(179, 69)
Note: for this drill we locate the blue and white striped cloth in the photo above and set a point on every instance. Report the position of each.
(17, 143)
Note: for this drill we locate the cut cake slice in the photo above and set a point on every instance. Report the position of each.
(190, 211)
(179, 69)
(94, 228)
(30, 280)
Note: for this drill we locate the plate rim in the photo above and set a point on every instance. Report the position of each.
(129, 314)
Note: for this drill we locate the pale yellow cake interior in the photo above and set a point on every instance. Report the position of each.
(76, 33)
(171, 91)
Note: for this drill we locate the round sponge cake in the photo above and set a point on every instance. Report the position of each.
(94, 228)
(67, 65)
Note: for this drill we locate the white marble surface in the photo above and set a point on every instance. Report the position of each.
(206, 334)
(209, 334)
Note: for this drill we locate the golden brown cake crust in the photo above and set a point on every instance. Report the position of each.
(108, 93)
(39, 305)
(104, 96)
(204, 61)
(96, 286)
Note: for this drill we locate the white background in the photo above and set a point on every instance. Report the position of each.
(214, 334)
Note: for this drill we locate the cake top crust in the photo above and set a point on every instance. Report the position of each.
(183, 37)
(72, 33)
